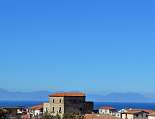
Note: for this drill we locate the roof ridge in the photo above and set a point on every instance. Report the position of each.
(63, 94)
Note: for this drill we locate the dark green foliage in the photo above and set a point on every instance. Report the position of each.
(48, 116)
(66, 116)
(3, 113)
(73, 116)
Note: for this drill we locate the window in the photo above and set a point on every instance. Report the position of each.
(74, 101)
(53, 110)
(136, 115)
(59, 109)
(53, 100)
(60, 101)
(46, 110)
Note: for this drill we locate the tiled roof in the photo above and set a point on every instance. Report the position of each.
(37, 107)
(97, 116)
(152, 114)
(107, 107)
(146, 110)
(67, 94)
(141, 110)
(134, 111)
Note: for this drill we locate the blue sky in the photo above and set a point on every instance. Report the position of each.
(86, 45)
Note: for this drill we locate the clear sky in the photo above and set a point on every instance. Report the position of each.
(86, 45)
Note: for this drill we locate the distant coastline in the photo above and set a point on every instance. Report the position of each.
(117, 105)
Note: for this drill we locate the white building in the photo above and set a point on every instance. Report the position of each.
(46, 107)
(151, 115)
(118, 114)
(134, 114)
(107, 110)
(37, 110)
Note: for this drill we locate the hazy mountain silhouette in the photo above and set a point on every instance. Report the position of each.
(36, 95)
(121, 97)
(43, 96)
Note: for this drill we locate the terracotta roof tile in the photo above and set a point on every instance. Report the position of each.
(134, 111)
(152, 114)
(97, 116)
(146, 110)
(37, 107)
(67, 94)
(140, 110)
(107, 107)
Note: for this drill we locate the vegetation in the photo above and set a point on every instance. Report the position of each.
(73, 116)
(66, 116)
(3, 113)
(49, 116)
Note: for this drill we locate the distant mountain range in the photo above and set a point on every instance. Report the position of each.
(24, 96)
(43, 96)
(121, 97)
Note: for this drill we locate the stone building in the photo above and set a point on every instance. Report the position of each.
(69, 102)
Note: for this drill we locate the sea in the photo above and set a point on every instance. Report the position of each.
(117, 105)
(123, 105)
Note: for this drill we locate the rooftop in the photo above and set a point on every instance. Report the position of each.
(107, 108)
(152, 114)
(67, 94)
(134, 111)
(97, 116)
(37, 107)
(140, 110)
(146, 110)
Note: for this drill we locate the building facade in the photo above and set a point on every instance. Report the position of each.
(69, 102)
(134, 114)
(151, 115)
(46, 107)
(107, 110)
(36, 111)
